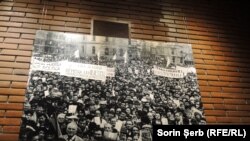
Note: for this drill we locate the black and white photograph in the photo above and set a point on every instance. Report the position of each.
(96, 88)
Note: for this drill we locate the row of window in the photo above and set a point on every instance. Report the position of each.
(107, 51)
(121, 52)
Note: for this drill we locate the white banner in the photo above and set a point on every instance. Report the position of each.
(172, 73)
(186, 70)
(85, 71)
(45, 66)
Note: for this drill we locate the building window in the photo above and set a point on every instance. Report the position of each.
(172, 52)
(93, 50)
(173, 59)
(121, 52)
(153, 50)
(114, 51)
(106, 51)
(181, 60)
(182, 57)
(83, 49)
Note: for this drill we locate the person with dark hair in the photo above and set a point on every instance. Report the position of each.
(136, 138)
(26, 134)
(157, 119)
(178, 118)
(123, 116)
(198, 117)
(171, 118)
(123, 105)
(135, 131)
(128, 111)
(118, 112)
(50, 135)
(111, 114)
(123, 134)
(129, 127)
(42, 133)
(98, 135)
(188, 119)
(43, 122)
(83, 130)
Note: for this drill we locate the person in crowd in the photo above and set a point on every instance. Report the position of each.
(98, 135)
(71, 133)
(110, 133)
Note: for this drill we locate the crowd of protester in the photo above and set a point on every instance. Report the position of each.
(124, 107)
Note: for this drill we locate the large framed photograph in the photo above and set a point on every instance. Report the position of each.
(84, 87)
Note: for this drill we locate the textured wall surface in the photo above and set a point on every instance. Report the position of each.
(217, 30)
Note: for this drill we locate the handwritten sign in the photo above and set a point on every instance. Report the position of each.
(172, 73)
(85, 71)
(72, 109)
(45, 66)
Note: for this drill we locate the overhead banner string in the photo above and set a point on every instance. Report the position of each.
(44, 13)
(186, 30)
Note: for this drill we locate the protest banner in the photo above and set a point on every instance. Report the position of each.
(85, 71)
(186, 70)
(172, 73)
(37, 65)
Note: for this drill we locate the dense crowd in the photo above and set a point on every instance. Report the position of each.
(124, 107)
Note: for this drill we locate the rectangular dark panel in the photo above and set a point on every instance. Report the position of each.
(111, 29)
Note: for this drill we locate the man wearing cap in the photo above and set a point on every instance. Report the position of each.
(71, 133)
(72, 118)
